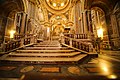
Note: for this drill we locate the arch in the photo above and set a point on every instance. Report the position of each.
(25, 6)
(58, 18)
(101, 5)
(8, 10)
(104, 5)
(58, 23)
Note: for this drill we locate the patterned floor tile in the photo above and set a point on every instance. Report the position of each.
(50, 69)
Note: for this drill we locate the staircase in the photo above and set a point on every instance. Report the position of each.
(46, 52)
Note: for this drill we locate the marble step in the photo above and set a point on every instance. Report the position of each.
(46, 48)
(50, 42)
(42, 43)
(42, 60)
(45, 45)
(44, 51)
(44, 54)
(57, 43)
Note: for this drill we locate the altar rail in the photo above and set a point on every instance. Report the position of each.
(77, 36)
(18, 42)
(85, 46)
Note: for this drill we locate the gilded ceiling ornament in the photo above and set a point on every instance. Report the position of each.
(57, 4)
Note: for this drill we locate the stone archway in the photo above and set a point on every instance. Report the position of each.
(99, 11)
(7, 15)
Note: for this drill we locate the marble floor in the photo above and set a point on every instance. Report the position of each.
(105, 67)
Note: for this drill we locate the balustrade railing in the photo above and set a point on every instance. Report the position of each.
(18, 41)
(11, 45)
(85, 46)
(81, 36)
(67, 41)
(81, 46)
(77, 36)
(27, 39)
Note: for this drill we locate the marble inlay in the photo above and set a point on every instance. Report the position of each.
(74, 70)
(27, 69)
(50, 69)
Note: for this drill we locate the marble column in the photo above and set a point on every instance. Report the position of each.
(98, 18)
(115, 33)
(82, 24)
(89, 20)
(95, 23)
(114, 25)
(22, 26)
(85, 22)
(23, 23)
(76, 19)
